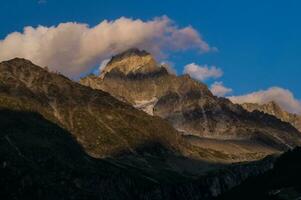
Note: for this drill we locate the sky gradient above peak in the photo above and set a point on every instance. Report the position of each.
(255, 44)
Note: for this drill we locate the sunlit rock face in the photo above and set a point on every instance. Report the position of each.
(272, 108)
(131, 61)
(136, 78)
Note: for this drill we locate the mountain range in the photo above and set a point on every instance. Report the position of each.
(135, 131)
(135, 77)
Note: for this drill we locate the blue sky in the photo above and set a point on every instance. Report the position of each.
(259, 42)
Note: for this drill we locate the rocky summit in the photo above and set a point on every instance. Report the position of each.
(132, 61)
(272, 108)
(203, 119)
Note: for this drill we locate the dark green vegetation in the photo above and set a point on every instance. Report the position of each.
(281, 183)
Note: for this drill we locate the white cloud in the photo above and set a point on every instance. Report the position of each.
(73, 48)
(218, 89)
(283, 97)
(202, 73)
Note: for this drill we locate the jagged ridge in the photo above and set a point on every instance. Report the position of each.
(272, 108)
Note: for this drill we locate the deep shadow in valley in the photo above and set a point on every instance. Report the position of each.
(282, 182)
(40, 160)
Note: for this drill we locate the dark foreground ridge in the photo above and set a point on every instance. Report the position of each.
(282, 182)
(40, 160)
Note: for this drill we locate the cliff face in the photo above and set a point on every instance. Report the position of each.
(272, 108)
(189, 106)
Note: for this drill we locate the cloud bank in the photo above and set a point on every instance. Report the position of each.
(283, 97)
(218, 89)
(202, 73)
(73, 48)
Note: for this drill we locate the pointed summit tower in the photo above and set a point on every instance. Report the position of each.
(131, 61)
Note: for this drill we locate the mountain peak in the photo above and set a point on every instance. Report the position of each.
(128, 53)
(132, 61)
(18, 61)
(20, 66)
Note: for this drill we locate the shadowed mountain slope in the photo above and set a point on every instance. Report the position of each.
(281, 182)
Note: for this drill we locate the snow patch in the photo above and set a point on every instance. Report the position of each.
(146, 105)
